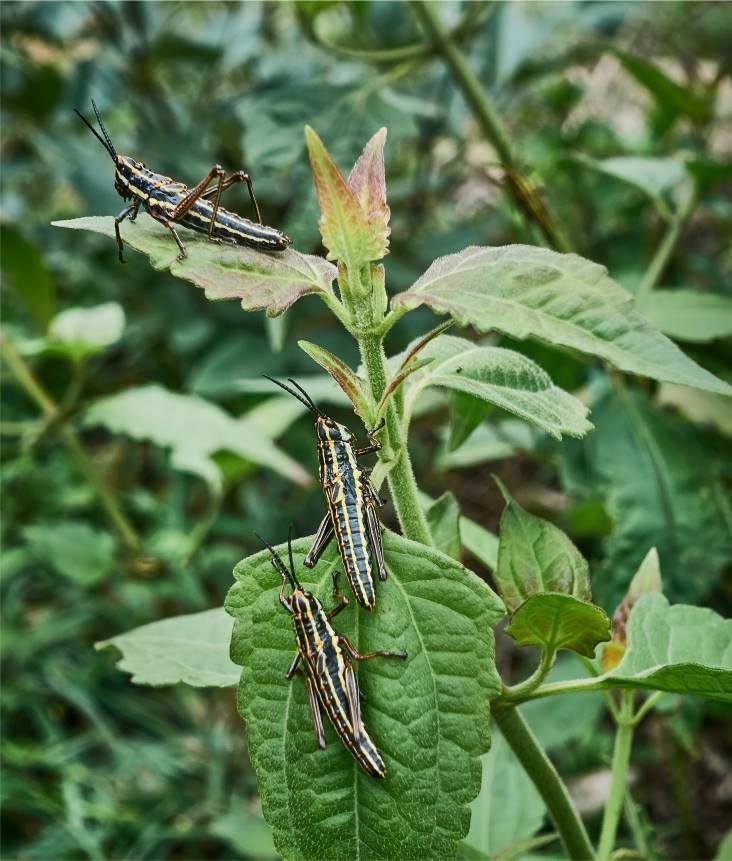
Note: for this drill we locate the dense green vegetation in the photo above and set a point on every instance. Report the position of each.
(142, 449)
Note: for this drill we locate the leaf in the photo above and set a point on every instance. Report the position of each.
(245, 832)
(502, 377)
(534, 557)
(263, 282)
(75, 550)
(563, 299)
(466, 413)
(724, 852)
(699, 407)
(443, 518)
(24, 266)
(476, 539)
(344, 376)
(427, 715)
(679, 649)
(490, 442)
(344, 226)
(688, 315)
(193, 649)
(509, 808)
(554, 620)
(368, 184)
(193, 428)
(85, 331)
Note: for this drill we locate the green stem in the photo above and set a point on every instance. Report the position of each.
(662, 256)
(519, 187)
(530, 684)
(402, 483)
(620, 764)
(51, 411)
(546, 780)
(649, 704)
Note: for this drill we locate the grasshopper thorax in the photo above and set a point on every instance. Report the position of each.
(327, 429)
(126, 170)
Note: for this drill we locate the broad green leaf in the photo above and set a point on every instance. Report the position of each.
(466, 413)
(554, 620)
(688, 315)
(344, 376)
(490, 442)
(508, 808)
(75, 550)
(263, 282)
(443, 517)
(662, 485)
(679, 649)
(368, 183)
(428, 715)
(563, 299)
(24, 266)
(193, 649)
(535, 556)
(344, 226)
(84, 331)
(502, 377)
(245, 832)
(476, 539)
(698, 407)
(193, 428)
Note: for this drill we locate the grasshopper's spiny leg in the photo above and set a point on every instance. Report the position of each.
(323, 538)
(354, 703)
(375, 444)
(357, 656)
(131, 209)
(239, 176)
(197, 191)
(315, 711)
(164, 221)
(374, 531)
(342, 600)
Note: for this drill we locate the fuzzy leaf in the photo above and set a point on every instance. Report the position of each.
(343, 375)
(443, 517)
(534, 557)
(502, 377)
(553, 621)
(343, 224)
(559, 298)
(263, 282)
(688, 315)
(368, 184)
(193, 649)
(193, 428)
(428, 715)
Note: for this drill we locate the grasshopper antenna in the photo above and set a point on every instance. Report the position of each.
(278, 564)
(107, 138)
(104, 141)
(306, 403)
(305, 395)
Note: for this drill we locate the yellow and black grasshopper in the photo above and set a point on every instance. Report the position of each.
(351, 498)
(329, 674)
(169, 202)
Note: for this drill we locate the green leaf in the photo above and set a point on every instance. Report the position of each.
(688, 315)
(699, 407)
(553, 621)
(367, 181)
(24, 266)
(75, 550)
(476, 539)
(443, 517)
(509, 808)
(427, 715)
(263, 282)
(724, 852)
(193, 649)
(344, 376)
(563, 299)
(502, 377)
(534, 557)
(679, 649)
(490, 442)
(344, 226)
(85, 331)
(193, 428)
(466, 413)
(245, 832)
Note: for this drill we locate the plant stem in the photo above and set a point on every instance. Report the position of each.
(519, 187)
(402, 484)
(665, 249)
(23, 374)
(546, 780)
(530, 684)
(621, 761)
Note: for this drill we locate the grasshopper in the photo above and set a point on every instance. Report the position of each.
(171, 202)
(331, 680)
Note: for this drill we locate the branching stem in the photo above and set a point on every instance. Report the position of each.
(620, 764)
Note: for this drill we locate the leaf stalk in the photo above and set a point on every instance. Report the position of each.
(620, 765)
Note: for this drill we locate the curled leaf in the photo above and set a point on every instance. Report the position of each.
(344, 376)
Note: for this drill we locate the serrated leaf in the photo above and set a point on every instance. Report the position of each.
(263, 282)
(553, 621)
(563, 299)
(534, 557)
(193, 428)
(428, 716)
(688, 315)
(193, 649)
(343, 375)
(443, 518)
(343, 225)
(368, 183)
(75, 550)
(502, 377)
(85, 331)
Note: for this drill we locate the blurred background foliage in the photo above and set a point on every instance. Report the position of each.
(94, 767)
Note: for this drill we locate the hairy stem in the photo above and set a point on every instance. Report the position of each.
(23, 374)
(546, 780)
(621, 762)
(521, 189)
